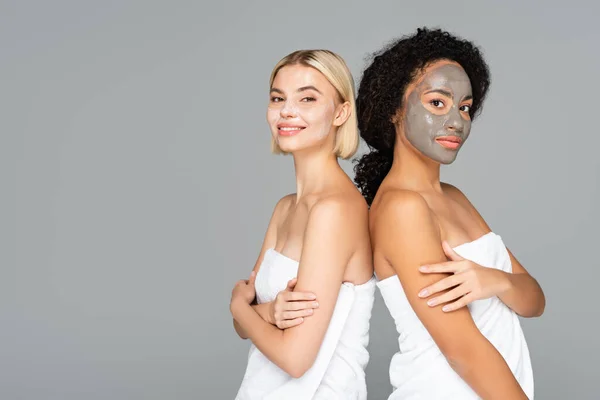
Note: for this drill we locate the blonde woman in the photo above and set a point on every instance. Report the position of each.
(314, 273)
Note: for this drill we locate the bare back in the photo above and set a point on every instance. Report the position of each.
(292, 221)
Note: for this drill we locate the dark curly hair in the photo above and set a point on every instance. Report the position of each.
(382, 87)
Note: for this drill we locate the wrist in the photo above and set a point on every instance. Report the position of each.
(269, 313)
(264, 311)
(506, 283)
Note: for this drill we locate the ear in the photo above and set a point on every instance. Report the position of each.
(396, 118)
(343, 113)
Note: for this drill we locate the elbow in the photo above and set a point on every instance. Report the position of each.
(540, 310)
(460, 356)
(539, 303)
(296, 370)
(298, 355)
(460, 364)
(536, 311)
(239, 330)
(542, 306)
(298, 364)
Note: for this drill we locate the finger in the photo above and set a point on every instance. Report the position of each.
(299, 296)
(297, 314)
(449, 296)
(443, 284)
(300, 305)
(292, 283)
(443, 267)
(252, 278)
(450, 253)
(463, 301)
(290, 323)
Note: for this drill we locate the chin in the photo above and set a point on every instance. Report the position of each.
(294, 144)
(447, 161)
(288, 146)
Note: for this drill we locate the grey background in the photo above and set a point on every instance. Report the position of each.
(137, 181)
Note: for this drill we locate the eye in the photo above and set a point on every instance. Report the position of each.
(307, 99)
(437, 103)
(466, 108)
(276, 99)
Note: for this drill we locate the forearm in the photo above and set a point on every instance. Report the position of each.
(523, 295)
(262, 310)
(484, 369)
(267, 338)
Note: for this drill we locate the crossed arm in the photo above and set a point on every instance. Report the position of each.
(327, 248)
(409, 238)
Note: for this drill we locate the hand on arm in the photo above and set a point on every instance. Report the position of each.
(287, 310)
(410, 238)
(471, 281)
(290, 308)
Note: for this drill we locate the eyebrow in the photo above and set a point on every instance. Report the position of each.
(302, 89)
(447, 94)
(440, 91)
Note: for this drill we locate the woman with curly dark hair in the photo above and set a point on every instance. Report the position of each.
(433, 252)
(316, 247)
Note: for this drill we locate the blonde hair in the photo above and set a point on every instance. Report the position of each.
(334, 68)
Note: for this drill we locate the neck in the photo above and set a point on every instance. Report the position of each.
(314, 170)
(413, 170)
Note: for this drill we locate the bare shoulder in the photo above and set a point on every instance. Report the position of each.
(285, 202)
(283, 205)
(344, 208)
(405, 232)
(458, 196)
(455, 193)
(402, 205)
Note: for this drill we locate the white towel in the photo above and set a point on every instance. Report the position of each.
(420, 370)
(346, 339)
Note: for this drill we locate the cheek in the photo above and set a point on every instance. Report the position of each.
(429, 119)
(419, 119)
(272, 115)
(320, 117)
(316, 115)
(467, 128)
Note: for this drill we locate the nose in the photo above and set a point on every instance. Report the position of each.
(455, 122)
(288, 110)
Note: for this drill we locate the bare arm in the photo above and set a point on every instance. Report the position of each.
(328, 246)
(523, 293)
(409, 237)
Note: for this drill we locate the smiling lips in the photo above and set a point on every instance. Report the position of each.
(449, 142)
(289, 130)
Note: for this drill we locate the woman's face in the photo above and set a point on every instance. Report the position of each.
(436, 120)
(304, 109)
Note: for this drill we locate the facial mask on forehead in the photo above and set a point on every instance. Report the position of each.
(422, 127)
